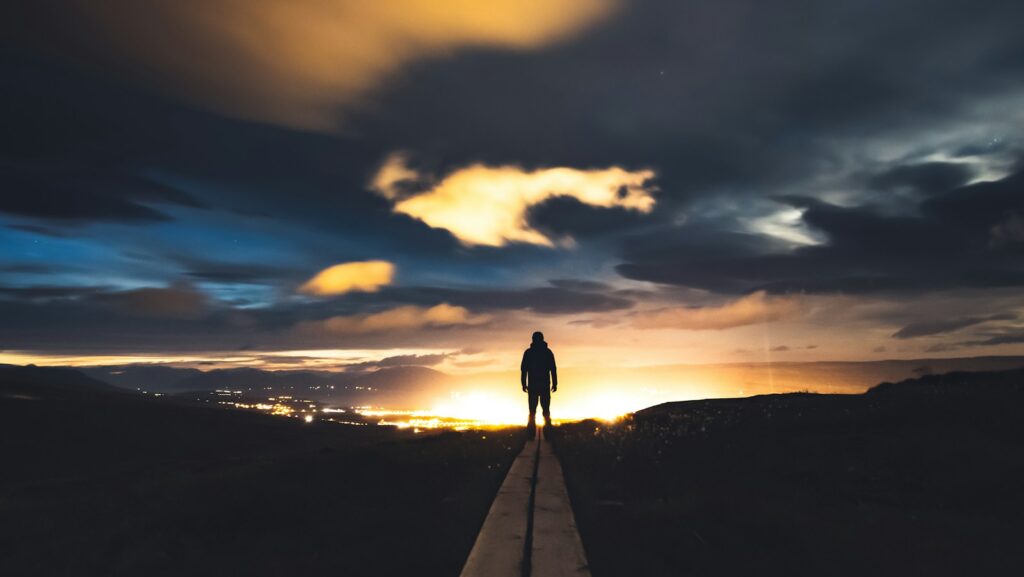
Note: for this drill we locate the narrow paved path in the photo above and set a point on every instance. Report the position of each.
(530, 530)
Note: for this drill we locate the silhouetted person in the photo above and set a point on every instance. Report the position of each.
(539, 378)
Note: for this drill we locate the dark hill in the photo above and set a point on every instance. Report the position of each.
(920, 477)
(153, 378)
(997, 383)
(34, 382)
(99, 481)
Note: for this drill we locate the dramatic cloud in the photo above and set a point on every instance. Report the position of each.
(45, 293)
(178, 301)
(946, 243)
(927, 178)
(231, 272)
(171, 302)
(297, 62)
(72, 194)
(397, 319)
(940, 326)
(857, 151)
(752, 309)
(991, 338)
(485, 205)
(544, 300)
(366, 276)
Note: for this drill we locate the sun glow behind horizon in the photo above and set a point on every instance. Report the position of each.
(471, 409)
(486, 408)
(468, 400)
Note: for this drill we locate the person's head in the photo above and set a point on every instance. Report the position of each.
(538, 337)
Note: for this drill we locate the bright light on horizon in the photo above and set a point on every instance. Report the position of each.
(464, 410)
(481, 406)
(495, 409)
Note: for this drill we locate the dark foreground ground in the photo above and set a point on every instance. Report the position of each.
(96, 482)
(918, 478)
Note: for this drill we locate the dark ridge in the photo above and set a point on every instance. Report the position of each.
(957, 382)
(919, 477)
(50, 381)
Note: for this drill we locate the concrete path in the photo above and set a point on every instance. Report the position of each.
(530, 530)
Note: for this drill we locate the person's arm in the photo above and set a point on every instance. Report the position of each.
(522, 372)
(554, 374)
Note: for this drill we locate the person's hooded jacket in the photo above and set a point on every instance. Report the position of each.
(539, 365)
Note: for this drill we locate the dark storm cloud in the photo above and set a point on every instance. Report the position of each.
(64, 122)
(176, 301)
(179, 300)
(581, 285)
(182, 317)
(566, 216)
(989, 147)
(1004, 336)
(84, 194)
(84, 323)
(310, 190)
(44, 293)
(545, 300)
(730, 102)
(940, 326)
(1010, 337)
(946, 246)
(202, 269)
(929, 177)
(712, 93)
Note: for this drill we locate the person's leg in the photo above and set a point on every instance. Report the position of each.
(531, 400)
(545, 406)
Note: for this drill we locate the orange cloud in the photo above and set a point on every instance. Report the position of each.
(295, 62)
(365, 276)
(485, 205)
(400, 318)
(752, 309)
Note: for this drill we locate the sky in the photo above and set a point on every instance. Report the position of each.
(337, 183)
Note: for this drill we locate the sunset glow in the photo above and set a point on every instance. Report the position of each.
(510, 287)
(377, 203)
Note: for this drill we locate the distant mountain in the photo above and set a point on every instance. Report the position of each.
(396, 386)
(156, 378)
(164, 379)
(249, 378)
(32, 382)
